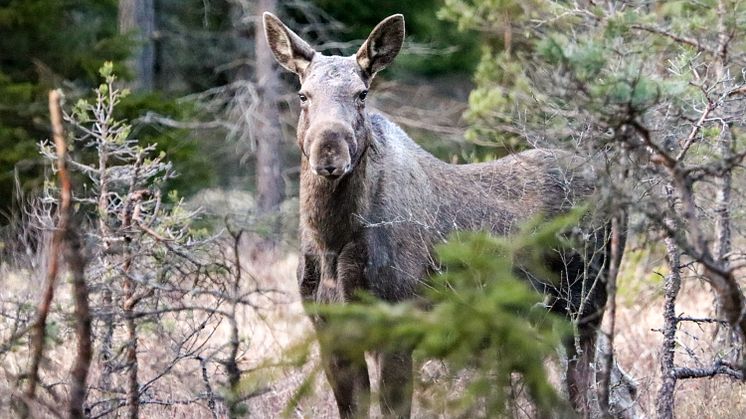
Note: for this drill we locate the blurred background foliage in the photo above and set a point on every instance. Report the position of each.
(43, 44)
(453, 51)
(200, 45)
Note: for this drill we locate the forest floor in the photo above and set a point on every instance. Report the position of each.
(279, 327)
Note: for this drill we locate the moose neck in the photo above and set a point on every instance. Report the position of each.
(329, 209)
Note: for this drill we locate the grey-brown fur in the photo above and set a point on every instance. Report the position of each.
(373, 205)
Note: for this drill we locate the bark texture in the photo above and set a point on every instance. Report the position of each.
(269, 182)
(137, 19)
(665, 400)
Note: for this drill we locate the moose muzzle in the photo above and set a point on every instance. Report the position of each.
(331, 150)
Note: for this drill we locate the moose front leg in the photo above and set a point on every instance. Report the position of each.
(347, 374)
(309, 275)
(345, 367)
(396, 383)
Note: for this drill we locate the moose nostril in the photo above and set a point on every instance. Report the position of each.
(330, 169)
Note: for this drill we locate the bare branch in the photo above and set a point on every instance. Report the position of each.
(678, 38)
(717, 369)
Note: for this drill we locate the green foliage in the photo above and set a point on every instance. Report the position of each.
(486, 103)
(423, 26)
(486, 13)
(106, 155)
(196, 44)
(500, 78)
(568, 66)
(193, 167)
(43, 42)
(479, 317)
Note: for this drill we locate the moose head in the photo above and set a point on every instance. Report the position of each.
(333, 129)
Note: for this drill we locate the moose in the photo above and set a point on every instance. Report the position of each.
(373, 205)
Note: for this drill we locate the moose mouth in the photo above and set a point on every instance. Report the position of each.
(332, 173)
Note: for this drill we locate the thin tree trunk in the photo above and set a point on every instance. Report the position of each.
(38, 334)
(65, 208)
(107, 300)
(128, 288)
(723, 199)
(269, 183)
(76, 264)
(137, 19)
(723, 233)
(231, 363)
(133, 387)
(604, 381)
(666, 393)
(208, 387)
(107, 341)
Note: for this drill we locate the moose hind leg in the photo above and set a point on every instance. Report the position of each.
(348, 377)
(587, 299)
(580, 367)
(396, 383)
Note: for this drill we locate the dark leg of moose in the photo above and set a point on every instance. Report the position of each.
(348, 376)
(335, 278)
(396, 383)
(347, 373)
(593, 271)
(580, 368)
(587, 293)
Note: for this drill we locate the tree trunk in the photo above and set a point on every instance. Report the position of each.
(665, 400)
(137, 19)
(128, 288)
(723, 236)
(269, 183)
(79, 373)
(76, 263)
(231, 363)
(605, 372)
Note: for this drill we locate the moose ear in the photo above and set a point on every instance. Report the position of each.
(289, 49)
(382, 45)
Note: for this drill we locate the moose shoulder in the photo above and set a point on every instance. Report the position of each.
(373, 205)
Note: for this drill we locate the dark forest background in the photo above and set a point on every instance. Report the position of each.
(173, 53)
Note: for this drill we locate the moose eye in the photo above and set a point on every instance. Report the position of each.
(362, 95)
(303, 98)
